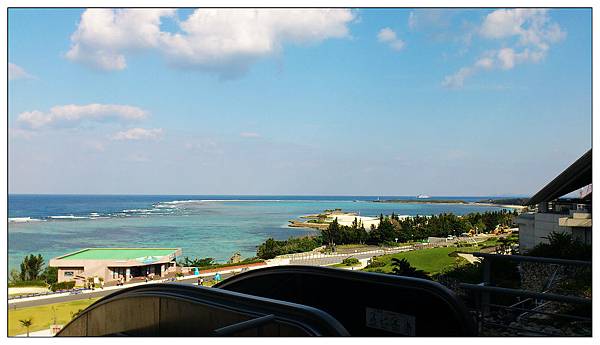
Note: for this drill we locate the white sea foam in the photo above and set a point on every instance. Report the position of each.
(177, 202)
(67, 217)
(170, 204)
(23, 220)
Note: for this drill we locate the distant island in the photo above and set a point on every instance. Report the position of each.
(504, 202)
(423, 201)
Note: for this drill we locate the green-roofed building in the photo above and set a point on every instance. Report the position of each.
(115, 264)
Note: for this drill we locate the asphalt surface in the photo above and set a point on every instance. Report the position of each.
(51, 300)
(94, 294)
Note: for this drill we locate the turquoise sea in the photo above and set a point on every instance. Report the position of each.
(204, 226)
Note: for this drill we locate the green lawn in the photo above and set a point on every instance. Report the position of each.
(432, 260)
(344, 265)
(42, 316)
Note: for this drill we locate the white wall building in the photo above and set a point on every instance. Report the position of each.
(573, 216)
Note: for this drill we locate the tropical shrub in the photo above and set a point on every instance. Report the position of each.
(350, 261)
(28, 283)
(62, 286)
(562, 246)
(401, 267)
(272, 248)
(375, 263)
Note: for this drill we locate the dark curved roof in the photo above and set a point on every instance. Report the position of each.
(578, 175)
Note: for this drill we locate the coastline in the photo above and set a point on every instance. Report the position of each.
(449, 202)
(321, 221)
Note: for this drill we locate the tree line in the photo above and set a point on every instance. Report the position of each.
(391, 229)
(32, 269)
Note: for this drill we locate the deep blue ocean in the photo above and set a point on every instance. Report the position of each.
(202, 225)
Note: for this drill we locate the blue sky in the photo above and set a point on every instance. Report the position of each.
(343, 102)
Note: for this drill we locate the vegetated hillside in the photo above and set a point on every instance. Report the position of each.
(506, 201)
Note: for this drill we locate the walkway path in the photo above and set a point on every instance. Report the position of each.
(67, 296)
(43, 333)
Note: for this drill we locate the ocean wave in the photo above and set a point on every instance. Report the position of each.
(183, 202)
(23, 220)
(137, 210)
(69, 217)
(175, 203)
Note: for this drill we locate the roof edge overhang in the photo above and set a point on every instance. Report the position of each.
(576, 176)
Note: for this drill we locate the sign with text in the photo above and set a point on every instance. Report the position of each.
(390, 321)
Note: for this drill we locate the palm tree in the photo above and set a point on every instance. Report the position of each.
(26, 323)
(403, 268)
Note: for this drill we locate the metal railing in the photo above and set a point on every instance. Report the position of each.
(537, 300)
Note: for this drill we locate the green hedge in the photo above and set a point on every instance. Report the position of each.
(62, 286)
(244, 262)
(350, 261)
(375, 263)
(30, 283)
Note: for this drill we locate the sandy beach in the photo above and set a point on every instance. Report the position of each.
(343, 218)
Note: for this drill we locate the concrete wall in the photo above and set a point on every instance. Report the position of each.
(100, 268)
(534, 228)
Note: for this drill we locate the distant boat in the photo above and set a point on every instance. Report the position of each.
(423, 196)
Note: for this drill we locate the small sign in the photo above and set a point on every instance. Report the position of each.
(55, 329)
(390, 321)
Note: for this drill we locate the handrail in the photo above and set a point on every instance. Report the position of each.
(357, 292)
(522, 258)
(311, 320)
(244, 325)
(527, 293)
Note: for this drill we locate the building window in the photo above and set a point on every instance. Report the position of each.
(68, 273)
(118, 272)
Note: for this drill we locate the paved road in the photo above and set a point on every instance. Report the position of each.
(322, 261)
(59, 299)
(18, 304)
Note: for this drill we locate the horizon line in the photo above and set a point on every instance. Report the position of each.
(270, 195)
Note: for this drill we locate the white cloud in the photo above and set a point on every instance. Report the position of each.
(485, 63)
(69, 115)
(426, 19)
(506, 57)
(532, 31)
(249, 135)
(226, 41)
(139, 134)
(105, 35)
(532, 27)
(457, 80)
(16, 72)
(388, 36)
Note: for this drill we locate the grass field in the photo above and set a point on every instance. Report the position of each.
(42, 316)
(344, 265)
(429, 260)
